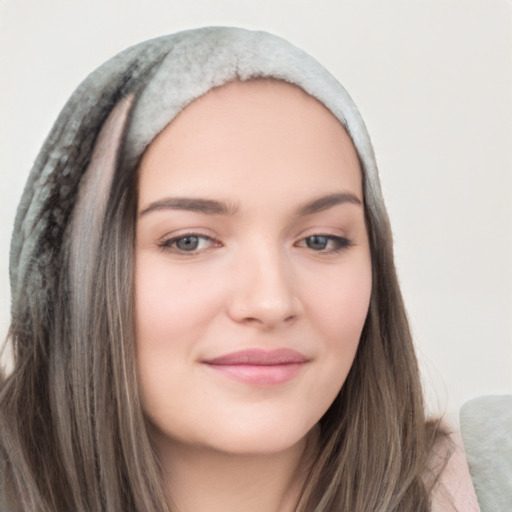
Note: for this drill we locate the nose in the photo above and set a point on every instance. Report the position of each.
(263, 291)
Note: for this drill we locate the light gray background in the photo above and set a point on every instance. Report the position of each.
(433, 80)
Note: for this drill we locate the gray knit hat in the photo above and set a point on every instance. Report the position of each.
(163, 75)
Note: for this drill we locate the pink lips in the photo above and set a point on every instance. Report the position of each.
(258, 366)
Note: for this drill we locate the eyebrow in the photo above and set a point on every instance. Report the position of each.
(213, 207)
(325, 202)
(192, 204)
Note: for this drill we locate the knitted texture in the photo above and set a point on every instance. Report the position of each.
(486, 428)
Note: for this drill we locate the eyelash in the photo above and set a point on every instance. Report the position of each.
(340, 243)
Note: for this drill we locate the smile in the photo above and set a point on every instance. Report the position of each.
(259, 367)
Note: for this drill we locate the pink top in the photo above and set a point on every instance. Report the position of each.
(454, 492)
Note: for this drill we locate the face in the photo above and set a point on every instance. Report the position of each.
(253, 271)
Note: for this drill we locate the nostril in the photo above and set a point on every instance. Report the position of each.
(265, 320)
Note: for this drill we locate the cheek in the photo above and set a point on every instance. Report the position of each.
(338, 310)
(340, 302)
(170, 305)
(173, 311)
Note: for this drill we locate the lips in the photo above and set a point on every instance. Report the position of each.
(258, 366)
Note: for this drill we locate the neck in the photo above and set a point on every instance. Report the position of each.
(198, 479)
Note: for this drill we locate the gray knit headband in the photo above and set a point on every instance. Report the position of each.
(164, 75)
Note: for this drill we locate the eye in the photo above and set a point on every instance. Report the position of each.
(325, 243)
(189, 243)
(317, 242)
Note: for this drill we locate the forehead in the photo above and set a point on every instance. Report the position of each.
(264, 132)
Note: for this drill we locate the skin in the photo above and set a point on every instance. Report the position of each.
(255, 277)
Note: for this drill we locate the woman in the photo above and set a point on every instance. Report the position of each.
(205, 311)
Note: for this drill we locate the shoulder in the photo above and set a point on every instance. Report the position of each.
(453, 490)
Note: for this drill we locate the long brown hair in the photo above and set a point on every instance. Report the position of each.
(72, 432)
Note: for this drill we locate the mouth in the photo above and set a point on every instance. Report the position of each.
(258, 366)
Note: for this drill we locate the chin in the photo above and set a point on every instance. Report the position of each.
(242, 438)
(264, 434)
(266, 443)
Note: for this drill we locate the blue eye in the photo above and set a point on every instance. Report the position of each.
(317, 242)
(187, 243)
(325, 243)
